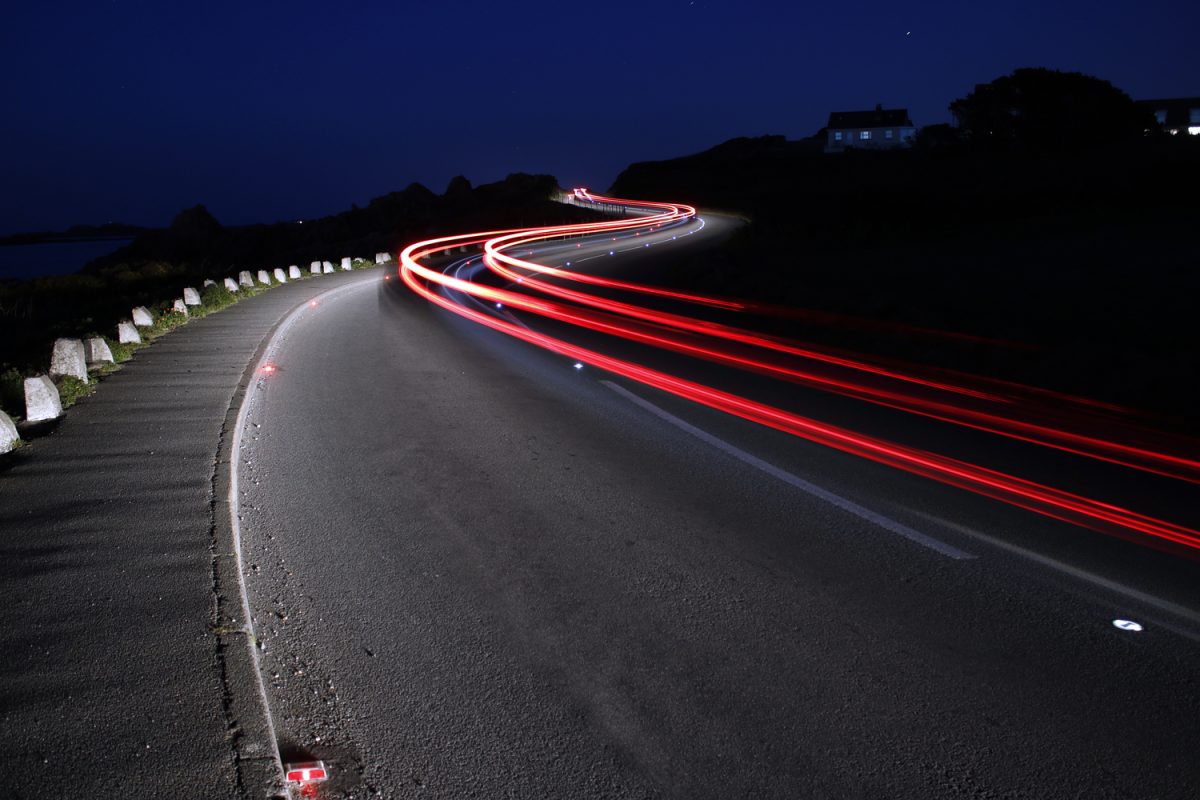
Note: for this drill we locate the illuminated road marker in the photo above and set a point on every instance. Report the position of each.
(1127, 625)
(307, 772)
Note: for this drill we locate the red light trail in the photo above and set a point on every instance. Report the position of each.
(1022, 413)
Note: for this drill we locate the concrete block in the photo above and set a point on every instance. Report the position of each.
(8, 433)
(231, 284)
(67, 359)
(294, 272)
(326, 267)
(244, 278)
(383, 258)
(191, 297)
(42, 401)
(264, 278)
(97, 351)
(180, 306)
(142, 318)
(279, 276)
(209, 282)
(347, 263)
(315, 268)
(127, 333)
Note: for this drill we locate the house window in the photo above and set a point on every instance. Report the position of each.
(887, 134)
(837, 136)
(864, 135)
(1160, 116)
(1194, 116)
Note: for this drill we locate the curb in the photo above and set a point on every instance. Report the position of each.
(244, 697)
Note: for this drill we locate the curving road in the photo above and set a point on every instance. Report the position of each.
(478, 570)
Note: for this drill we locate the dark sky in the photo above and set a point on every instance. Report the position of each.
(130, 111)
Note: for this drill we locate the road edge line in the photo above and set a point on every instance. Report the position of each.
(248, 714)
(836, 500)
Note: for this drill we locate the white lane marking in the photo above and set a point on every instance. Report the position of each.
(1127, 625)
(888, 524)
(1136, 595)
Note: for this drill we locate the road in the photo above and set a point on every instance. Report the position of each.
(478, 570)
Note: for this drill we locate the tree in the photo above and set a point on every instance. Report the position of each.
(1044, 110)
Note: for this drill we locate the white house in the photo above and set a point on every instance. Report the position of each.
(875, 130)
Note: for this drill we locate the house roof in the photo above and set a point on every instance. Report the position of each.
(879, 118)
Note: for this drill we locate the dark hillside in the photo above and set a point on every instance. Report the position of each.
(1090, 259)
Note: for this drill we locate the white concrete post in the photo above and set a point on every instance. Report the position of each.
(8, 433)
(67, 359)
(209, 282)
(42, 401)
(97, 351)
(346, 263)
(326, 267)
(245, 279)
(279, 276)
(127, 333)
(315, 268)
(231, 284)
(294, 272)
(180, 306)
(142, 318)
(191, 297)
(263, 277)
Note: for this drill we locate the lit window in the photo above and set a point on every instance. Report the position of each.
(864, 135)
(837, 136)
(887, 134)
(1161, 116)
(1194, 116)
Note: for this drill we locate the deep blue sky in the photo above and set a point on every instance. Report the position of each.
(130, 111)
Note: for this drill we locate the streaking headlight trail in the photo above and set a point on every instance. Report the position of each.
(1026, 414)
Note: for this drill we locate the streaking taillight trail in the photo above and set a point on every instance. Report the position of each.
(1004, 409)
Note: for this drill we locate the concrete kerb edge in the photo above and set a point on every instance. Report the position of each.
(247, 707)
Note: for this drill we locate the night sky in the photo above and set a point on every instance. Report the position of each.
(131, 111)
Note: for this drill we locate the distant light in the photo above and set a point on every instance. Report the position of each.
(568, 263)
(312, 303)
(269, 368)
(611, 253)
(499, 305)
(578, 365)
(1127, 625)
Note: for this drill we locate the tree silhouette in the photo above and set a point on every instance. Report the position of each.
(1045, 110)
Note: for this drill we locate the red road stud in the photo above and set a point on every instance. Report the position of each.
(307, 772)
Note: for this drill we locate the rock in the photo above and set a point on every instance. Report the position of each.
(142, 318)
(67, 359)
(346, 263)
(279, 276)
(326, 267)
(244, 278)
(231, 284)
(8, 433)
(191, 297)
(208, 282)
(315, 268)
(42, 401)
(294, 272)
(127, 333)
(97, 351)
(180, 306)
(264, 278)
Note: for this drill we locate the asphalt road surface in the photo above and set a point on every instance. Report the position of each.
(477, 571)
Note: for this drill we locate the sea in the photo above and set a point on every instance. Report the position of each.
(22, 261)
